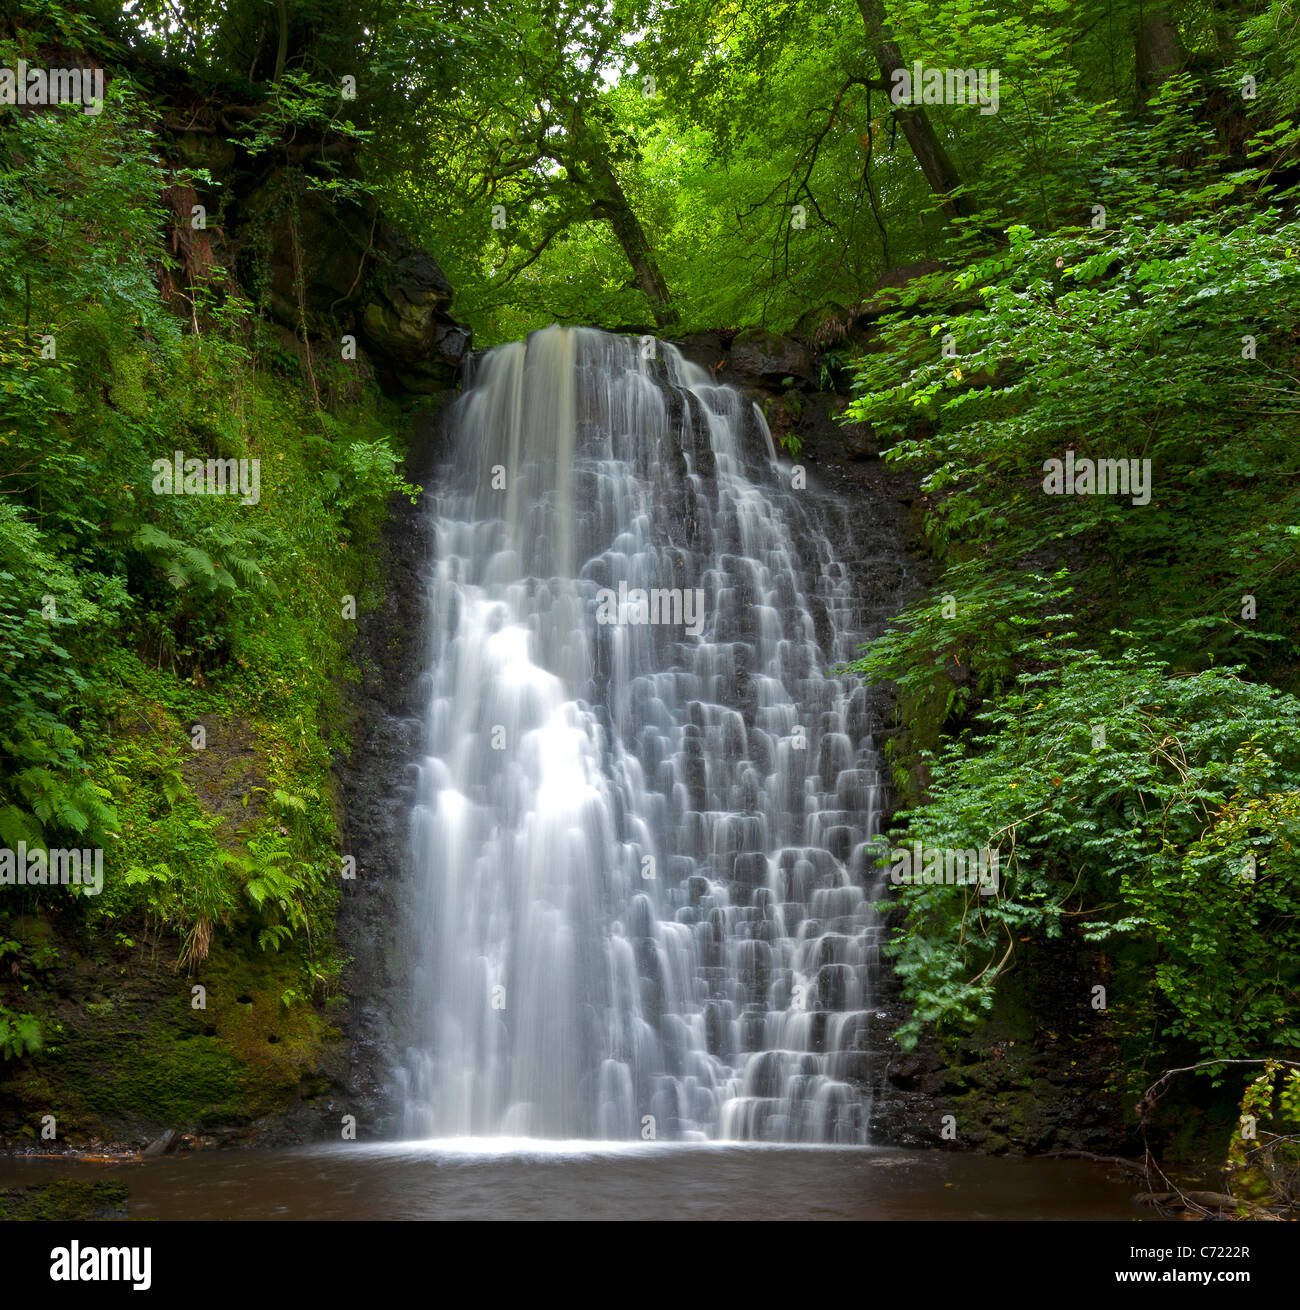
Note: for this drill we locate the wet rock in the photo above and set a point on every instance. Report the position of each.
(906, 1071)
(370, 923)
(763, 357)
(750, 869)
(163, 1145)
(703, 348)
(405, 322)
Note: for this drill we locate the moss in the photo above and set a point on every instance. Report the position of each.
(922, 716)
(64, 1200)
(154, 1062)
(202, 859)
(127, 391)
(128, 1055)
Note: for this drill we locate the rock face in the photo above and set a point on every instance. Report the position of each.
(1039, 1073)
(310, 252)
(405, 320)
(706, 349)
(324, 268)
(337, 270)
(376, 789)
(760, 356)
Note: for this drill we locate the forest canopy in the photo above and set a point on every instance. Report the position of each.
(698, 164)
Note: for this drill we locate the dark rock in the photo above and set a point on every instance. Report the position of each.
(703, 348)
(371, 925)
(905, 1072)
(404, 319)
(893, 280)
(821, 323)
(323, 244)
(760, 356)
(330, 269)
(750, 869)
(859, 439)
(361, 275)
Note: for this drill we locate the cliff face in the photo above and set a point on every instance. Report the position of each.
(326, 270)
(292, 227)
(376, 791)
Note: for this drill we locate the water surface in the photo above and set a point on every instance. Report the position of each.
(503, 1179)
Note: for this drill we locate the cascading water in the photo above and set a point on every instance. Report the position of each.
(644, 829)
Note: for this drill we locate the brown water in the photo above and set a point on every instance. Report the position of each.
(532, 1180)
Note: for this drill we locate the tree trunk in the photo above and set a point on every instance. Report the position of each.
(1160, 52)
(613, 205)
(608, 201)
(917, 128)
(282, 45)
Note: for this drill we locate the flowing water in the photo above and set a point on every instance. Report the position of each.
(642, 838)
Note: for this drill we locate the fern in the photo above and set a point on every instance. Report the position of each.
(172, 783)
(159, 873)
(18, 826)
(72, 804)
(288, 802)
(273, 891)
(201, 565)
(20, 1034)
(274, 936)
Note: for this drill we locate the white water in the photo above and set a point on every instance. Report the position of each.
(565, 986)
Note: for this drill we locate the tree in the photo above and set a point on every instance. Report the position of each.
(917, 128)
(524, 138)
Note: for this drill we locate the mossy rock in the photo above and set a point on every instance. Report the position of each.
(65, 1200)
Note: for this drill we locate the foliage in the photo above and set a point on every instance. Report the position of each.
(1099, 664)
(1264, 1153)
(20, 1035)
(1125, 804)
(1102, 686)
(127, 616)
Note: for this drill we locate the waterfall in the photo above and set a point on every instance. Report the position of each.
(645, 831)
